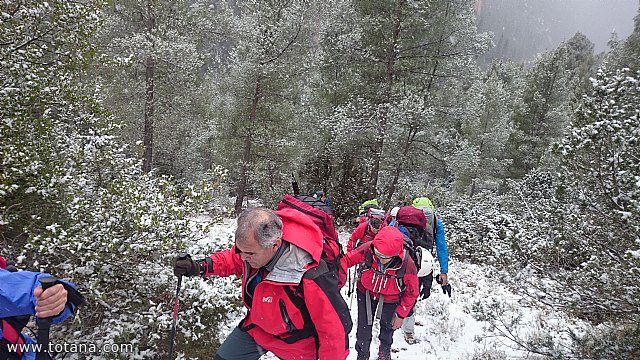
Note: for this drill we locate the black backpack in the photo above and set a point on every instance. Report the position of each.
(327, 280)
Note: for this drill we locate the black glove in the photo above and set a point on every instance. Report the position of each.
(183, 265)
(425, 286)
(446, 289)
(11, 266)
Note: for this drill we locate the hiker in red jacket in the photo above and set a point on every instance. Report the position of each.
(367, 230)
(387, 288)
(295, 309)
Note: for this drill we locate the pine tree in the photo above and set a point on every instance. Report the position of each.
(151, 76)
(405, 54)
(260, 90)
(593, 254)
(555, 80)
(486, 126)
(628, 53)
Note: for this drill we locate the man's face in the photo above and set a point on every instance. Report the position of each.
(375, 224)
(254, 254)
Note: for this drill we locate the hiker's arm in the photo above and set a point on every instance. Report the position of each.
(355, 256)
(357, 234)
(225, 263)
(19, 296)
(410, 294)
(441, 249)
(320, 301)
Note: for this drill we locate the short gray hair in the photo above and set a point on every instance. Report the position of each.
(264, 223)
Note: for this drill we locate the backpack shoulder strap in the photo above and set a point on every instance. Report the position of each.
(403, 268)
(313, 273)
(368, 259)
(328, 281)
(11, 334)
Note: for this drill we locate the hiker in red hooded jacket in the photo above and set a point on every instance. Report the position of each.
(387, 288)
(368, 229)
(295, 309)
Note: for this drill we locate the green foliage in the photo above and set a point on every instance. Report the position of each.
(72, 202)
(599, 178)
(626, 54)
(155, 47)
(557, 78)
(573, 242)
(44, 121)
(397, 63)
(480, 162)
(618, 342)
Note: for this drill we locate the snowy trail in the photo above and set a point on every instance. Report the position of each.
(448, 329)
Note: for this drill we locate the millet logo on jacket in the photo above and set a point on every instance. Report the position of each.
(267, 299)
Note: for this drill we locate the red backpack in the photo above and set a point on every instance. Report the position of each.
(321, 216)
(408, 215)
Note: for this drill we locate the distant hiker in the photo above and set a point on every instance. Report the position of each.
(433, 233)
(412, 223)
(21, 296)
(363, 210)
(365, 232)
(387, 289)
(295, 309)
(391, 219)
(323, 197)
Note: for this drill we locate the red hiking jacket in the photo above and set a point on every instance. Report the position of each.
(389, 241)
(360, 235)
(273, 320)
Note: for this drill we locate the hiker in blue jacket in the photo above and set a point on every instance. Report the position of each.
(434, 235)
(20, 297)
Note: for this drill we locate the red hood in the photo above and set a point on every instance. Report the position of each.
(3, 264)
(299, 230)
(389, 241)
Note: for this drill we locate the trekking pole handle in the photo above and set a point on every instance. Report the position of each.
(44, 324)
(48, 281)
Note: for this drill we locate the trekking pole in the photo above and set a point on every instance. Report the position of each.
(176, 304)
(44, 324)
(294, 185)
(352, 287)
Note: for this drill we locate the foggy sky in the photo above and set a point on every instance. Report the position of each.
(524, 28)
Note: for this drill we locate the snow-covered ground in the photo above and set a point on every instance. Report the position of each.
(447, 328)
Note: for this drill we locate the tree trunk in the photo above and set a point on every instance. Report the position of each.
(149, 104)
(400, 164)
(241, 189)
(485, 129)
(391, 58)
